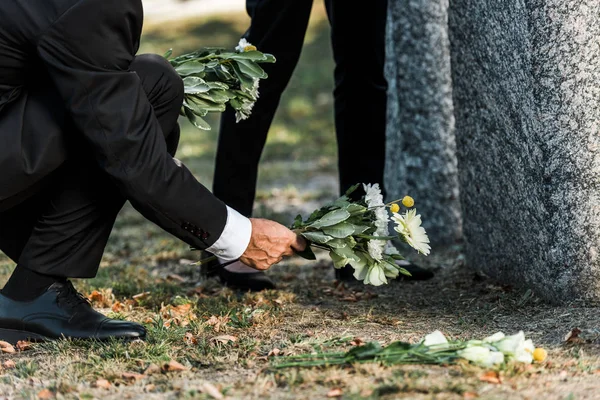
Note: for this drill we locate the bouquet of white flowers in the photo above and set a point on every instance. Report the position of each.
(356, 233)
(493, 351)
(214, 77)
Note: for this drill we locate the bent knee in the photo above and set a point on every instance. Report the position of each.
(159, 79)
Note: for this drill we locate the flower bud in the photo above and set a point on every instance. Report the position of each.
(408, 201)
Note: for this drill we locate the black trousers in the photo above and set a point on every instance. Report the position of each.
(358, 40)
(62, 226)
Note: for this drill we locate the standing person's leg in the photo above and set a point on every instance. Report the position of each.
(358, 30)
(61, 231)
(278, 27)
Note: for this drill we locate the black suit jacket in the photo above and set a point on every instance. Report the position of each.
(84, 48)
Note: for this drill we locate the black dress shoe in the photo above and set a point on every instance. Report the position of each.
(417, 273)
(253, 281)
(61, 312)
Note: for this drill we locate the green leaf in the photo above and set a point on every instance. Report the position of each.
(368, 351)
(347, 252)
(332, 218)
(307, 253)
(269, 58)
(338, 261)
(317, 237)
(190, 68)
(358, 229)
(339, 243)
(197, 120)
(356, 208)
(251, 68)
(297, 222)
(341, 230)
(245, 80)
(397, 257)
(351, 190)
(247, 55)
(168, 54)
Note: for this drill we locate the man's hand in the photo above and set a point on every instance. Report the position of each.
(269, 243)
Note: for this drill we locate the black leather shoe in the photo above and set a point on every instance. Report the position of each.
(417, 273)
(61, 312)
(253, 281)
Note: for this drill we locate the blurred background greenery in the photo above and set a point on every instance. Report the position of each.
(300, 150)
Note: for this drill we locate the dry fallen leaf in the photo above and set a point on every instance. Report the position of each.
(140, 296)
(337, 392)
(118, 307)
(573, 336)
(45, 394)
(7, 347)
(189, 338)
(102, 383)
(275, 352)
(173, 366)
(224, 339)
(9, 364)
(357, 342)
(491, 377)
(175, 277)
(212, 391)
(23, 345)
(132, 376)
(470, 395)
(150, 388)
(152, 369)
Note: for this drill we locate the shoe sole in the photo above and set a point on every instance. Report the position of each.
(13, 336)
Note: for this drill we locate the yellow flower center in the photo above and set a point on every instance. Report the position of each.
(394, 208)
(408, 201)
(250, 48)
(540, 354)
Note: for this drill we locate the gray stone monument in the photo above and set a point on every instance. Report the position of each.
(421, 159)
(527, 105)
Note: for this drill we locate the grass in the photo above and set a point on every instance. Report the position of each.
(225, 341)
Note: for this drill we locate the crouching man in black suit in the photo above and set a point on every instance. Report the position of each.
(85, 125)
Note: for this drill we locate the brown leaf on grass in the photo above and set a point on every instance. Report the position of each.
(573, 336)
(102, 384)
(140, 296)
(212, 391)
(132, 376)
(173, 366)
(152, 369)
(118, 307)
(218, 322)
(189, 338)
(180, 315)
(275, 352)
(470, 395)
(96, 296)
(350, 298)
(23, 345)
(150, 388)
(357, 342)
(224, 339)
(9, 364)
(45, 394)
(337, 392)
(491, 377)
(7, 347)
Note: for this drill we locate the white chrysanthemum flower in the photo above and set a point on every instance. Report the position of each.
(496, 337)
(375, 276)
(435, 338)
(516, 347)
(409, 226)
(374, 200)
(482, 356)
(375, 249)
(243, 45)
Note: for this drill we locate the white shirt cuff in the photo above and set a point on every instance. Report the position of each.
(235, 237)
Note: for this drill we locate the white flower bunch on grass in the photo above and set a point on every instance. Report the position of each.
(355, 232)
(215, 77)
(435, 348)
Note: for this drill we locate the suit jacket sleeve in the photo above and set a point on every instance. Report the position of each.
(87, 52)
